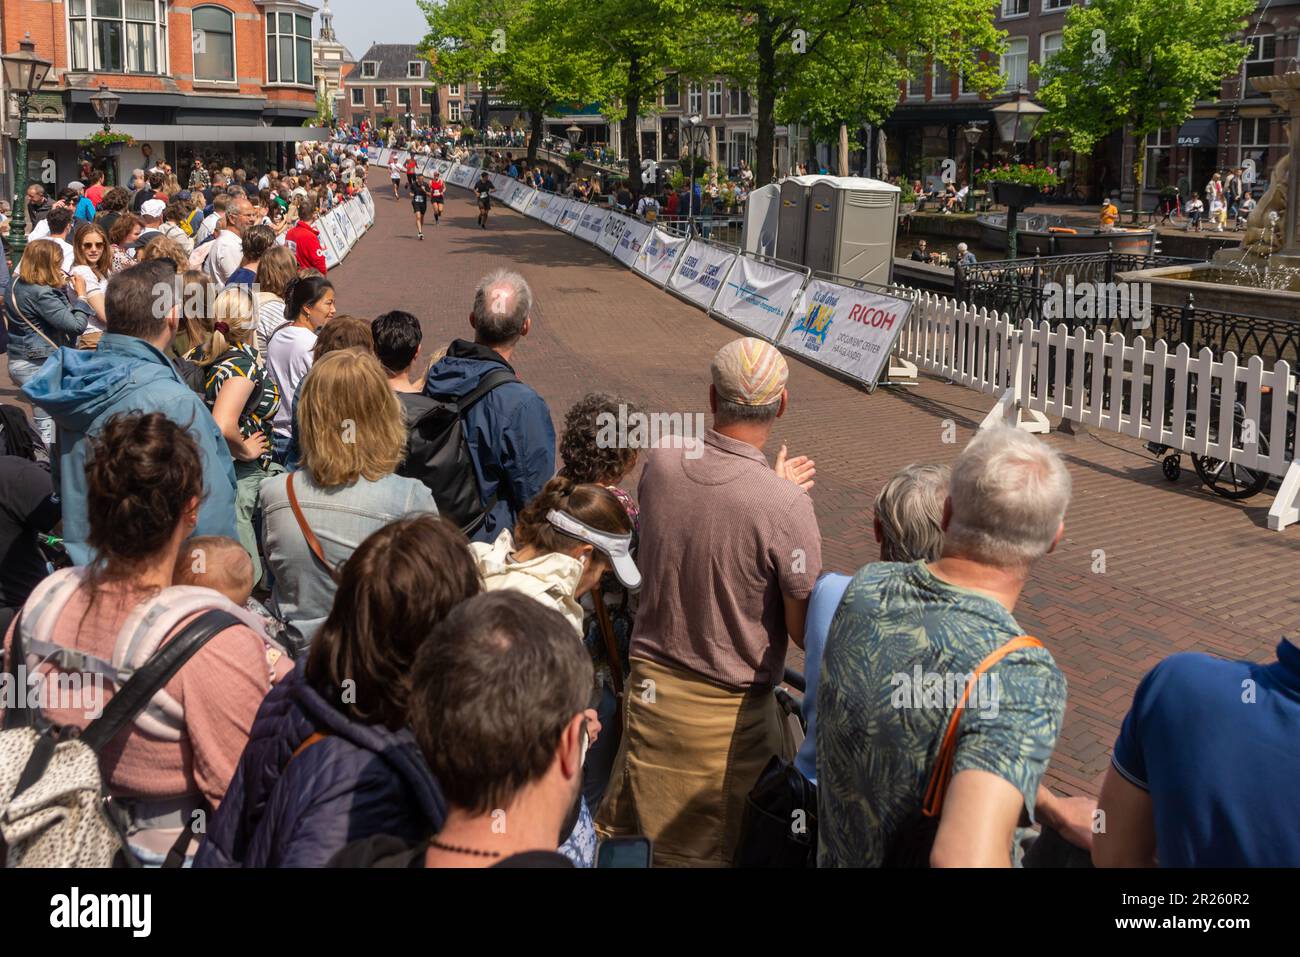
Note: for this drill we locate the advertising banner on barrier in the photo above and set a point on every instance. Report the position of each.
(700, 275)
(502, 183)
(629, 245)
(570, 216)
(520, 196)
(555, 210)
(543, 207)
(612, 231)
(593, 221)
(758, 296)
(372, 154)
(659, 255)
(852, 330)
(329, 245)
(355, 216)
(461, 175)
(349, 231)
(369, 202)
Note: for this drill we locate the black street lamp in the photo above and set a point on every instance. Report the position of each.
(105, 103)
(695, 134)
(24, 74)
(973, 134)
(1016, 120)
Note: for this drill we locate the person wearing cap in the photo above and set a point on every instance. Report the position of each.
(563, 542)
(84, 208)
(151, 211)
(730, 551)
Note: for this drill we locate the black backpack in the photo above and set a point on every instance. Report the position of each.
(438, 454)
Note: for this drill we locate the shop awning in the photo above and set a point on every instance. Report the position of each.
(188, 132)
(1198, 133)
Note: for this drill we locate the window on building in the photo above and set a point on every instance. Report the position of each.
(118, 36)
(403, 97)
(720, 132)
(738, 102)
(916, 76)
(1254, 144)
(694, 99)
(369, 69)
(741, 145)
(1051, 47)
(715, 98)
(288, 48)
(214, 44)
(1259, 60)
(358, 96)
(453, 111)
(426, 96)
(673, 91)
(1015, 63)
(942, 81)
(415, 69)
(1015, 8)
(1159, 156)
(1050, 5)
(454, 89)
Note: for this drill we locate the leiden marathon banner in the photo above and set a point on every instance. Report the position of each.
(593, 221)
(659, 254)
(851, 330)
(612, 231)
(758, 296)
(519, 196)
(570, 216)
(699, 275)
(629, 245)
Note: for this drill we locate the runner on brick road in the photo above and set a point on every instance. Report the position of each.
(395, 174)
(409, 166)
(419, 203)
(484, 189)
(437, 188)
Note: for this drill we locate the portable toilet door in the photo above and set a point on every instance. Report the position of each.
(792, 221)
(762, 220)
(822, 226)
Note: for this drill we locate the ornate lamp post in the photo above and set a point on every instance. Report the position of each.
(695, 134)
(973, 134)
(105, 103)
(24, 74)
(1016, 119)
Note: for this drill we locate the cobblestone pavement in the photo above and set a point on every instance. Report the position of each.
(1147, 568)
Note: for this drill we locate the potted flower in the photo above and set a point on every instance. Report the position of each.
(1018, 184)
(575, 159)
(107, 142)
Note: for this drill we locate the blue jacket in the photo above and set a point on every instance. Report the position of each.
(80, 390)
(510, 434)
(30, 307)
(357, 781)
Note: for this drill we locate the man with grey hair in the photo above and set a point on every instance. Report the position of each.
(903, 779)
(227, 251)
(507, 425)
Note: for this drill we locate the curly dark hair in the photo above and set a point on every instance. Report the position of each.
(586, 459)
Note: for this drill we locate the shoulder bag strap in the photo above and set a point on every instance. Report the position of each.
(19, 716)
(312, 541)
(13, 296)
(149, 679)
(489, 382)
(942, 773)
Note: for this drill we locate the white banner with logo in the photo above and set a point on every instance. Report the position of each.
(461, 175)
(542, 207)
(355, 216)
(628, 250)
(659, 254)
(334, 253)
(612, 231)
(700, 274)
(345, 226)
(519, 196)
(758, 296)
(368, 205)
(852, 330)
(593, 221)
(570, 216)
(501, 182)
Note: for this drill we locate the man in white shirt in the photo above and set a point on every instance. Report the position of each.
(55, 226)
(213, 220)
(227, 252)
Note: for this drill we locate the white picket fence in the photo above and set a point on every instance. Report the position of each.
(1145, 390)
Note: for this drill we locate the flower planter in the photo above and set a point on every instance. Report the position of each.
(1016, 194)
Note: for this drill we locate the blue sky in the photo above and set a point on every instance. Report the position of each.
(360, 23)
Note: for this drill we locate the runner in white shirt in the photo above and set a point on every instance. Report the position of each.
(395, 174)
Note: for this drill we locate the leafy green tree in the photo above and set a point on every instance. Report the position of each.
(1138, 66)
(507, 46)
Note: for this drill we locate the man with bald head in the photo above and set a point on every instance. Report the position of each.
(730, 551)
(507, 424)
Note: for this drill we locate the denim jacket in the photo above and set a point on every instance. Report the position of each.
(342, 519)
(48, 310)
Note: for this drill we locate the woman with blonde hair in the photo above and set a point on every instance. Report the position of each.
(41, 319)
(161, 247)
(91, 261)
(243, 398)
(353, 438)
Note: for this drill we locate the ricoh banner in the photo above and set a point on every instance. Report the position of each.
(850, 330)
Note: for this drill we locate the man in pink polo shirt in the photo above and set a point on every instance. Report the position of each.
(730, 551)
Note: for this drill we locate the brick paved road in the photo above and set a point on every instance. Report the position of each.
(1182, 570)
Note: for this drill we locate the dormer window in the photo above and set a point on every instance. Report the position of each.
(415, 69)
(369, 69)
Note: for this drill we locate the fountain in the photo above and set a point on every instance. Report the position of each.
(1262, 276)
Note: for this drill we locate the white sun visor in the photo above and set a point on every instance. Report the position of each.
(618, 548)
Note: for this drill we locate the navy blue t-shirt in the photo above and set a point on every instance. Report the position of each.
(1216, 744)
